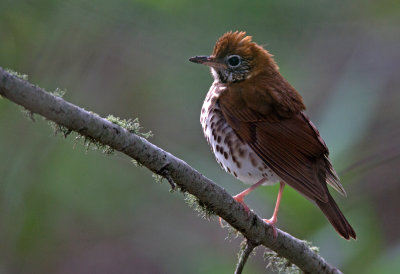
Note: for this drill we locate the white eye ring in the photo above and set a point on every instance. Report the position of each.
(234, 61)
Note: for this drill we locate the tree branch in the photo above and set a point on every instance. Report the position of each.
(161, 162)
(244, 255)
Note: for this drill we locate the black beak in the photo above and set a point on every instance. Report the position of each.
(201, 59)
(210, 61)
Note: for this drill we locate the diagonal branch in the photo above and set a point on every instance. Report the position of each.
(161, 162)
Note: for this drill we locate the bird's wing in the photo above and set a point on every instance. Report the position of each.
(291, 147)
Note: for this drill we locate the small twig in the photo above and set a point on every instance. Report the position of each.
(244, 255)
(165, 173)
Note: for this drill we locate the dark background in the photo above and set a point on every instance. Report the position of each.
(65, 210)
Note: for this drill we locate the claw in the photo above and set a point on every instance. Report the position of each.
(239, 198)
(272, 223)
(220, 222)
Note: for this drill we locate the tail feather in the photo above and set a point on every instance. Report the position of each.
(336, 218)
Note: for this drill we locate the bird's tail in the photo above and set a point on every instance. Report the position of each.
(336, 218)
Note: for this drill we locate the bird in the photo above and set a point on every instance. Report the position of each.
(257, 128)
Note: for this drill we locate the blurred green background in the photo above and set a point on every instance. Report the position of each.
(65, 210)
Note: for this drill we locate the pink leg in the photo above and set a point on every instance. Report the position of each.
(274, 217)
(245, 192)
(239, 198)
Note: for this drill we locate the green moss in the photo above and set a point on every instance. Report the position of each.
(28, 114)
(157, 178)
(58, 92)
(133, 126)
(59, 129)
(242, 250)
(93, 144)
(281, 264)
(17, 74)
(233, 233)
(315, 249)
(136, 163)
(198, 206)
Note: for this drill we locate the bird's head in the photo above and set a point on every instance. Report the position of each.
(236, 58)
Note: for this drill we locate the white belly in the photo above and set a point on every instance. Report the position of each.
(231, 153)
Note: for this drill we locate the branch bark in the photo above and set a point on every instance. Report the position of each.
(161, 162)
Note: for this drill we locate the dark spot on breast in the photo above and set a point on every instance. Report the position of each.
(238, 144)
(229, 170)
(225, 155)
(220, 124)
(217, 147)
(203, 110)
(241, 152)
(228, 139)
(238, 164)
(260, 168)
(252, 159)
(249, 174)
(212, 117)
(234, 173)
(214, 133)
(219, 139)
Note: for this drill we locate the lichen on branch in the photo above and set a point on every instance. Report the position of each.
(114, 135)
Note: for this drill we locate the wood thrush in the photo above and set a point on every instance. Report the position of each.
(254, 121)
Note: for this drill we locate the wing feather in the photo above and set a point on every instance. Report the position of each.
(290, 146)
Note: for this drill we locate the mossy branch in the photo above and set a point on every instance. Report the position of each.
(246, 249)
(212, 196)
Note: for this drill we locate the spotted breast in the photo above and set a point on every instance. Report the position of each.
(231, 153)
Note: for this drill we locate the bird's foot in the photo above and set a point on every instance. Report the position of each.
(272, 223)
(238, 198)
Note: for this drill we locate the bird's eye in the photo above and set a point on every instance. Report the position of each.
(234, 61)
